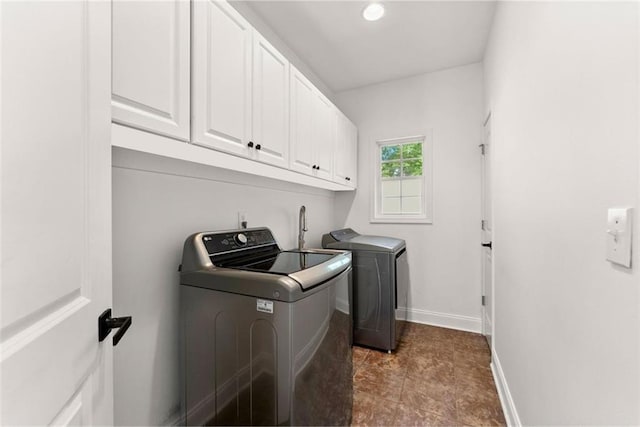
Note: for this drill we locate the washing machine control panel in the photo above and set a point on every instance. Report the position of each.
(239, 239)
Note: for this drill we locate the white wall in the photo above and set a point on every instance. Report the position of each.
(562, 88)
(444, 257)
(157, 203)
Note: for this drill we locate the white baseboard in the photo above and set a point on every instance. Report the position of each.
(445, 320)
(174, 419)
(508, 407)
(342, 305)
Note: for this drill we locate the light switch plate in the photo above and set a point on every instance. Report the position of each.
(619, 236)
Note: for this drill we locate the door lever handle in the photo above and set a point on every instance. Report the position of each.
(487, 245)
(106, 323)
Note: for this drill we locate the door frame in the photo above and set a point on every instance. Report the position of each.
(487, 206)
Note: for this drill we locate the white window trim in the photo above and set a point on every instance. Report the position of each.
(427, 171)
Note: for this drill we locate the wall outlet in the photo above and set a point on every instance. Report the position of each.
(242, 219)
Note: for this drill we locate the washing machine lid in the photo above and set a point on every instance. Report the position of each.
(250, 262)
(348, 239)
(284, 262)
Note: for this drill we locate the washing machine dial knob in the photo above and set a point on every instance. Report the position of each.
(241, 239)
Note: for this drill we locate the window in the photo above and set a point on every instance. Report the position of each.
(403, 180)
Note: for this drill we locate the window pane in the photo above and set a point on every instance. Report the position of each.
(412, 151)
(390, 169)
(411, 205)
(412, 167)
(411, 187)
(391, 188)
(390, 152)
(391, 205)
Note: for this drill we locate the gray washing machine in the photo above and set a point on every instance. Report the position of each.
(380, 286)
(266, 333)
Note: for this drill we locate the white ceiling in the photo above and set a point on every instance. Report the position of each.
(413, 37)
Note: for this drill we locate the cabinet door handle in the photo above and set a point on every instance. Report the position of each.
(258, 146)
(250, 144)
(487, 245)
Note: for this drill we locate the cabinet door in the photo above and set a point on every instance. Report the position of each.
(150, 70)
(352, 165)
(345, 154)
(324, 134)
(221, 77)
(270, 130)
(302, 110)
(342, 150)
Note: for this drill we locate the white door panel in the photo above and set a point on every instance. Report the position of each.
(324, 134)
(487, 273)
(352, 165)
(151, 44)
(344, 163)
(302, 110)
(313, 129)
(221, 77)
(487, 236)
(270, 103)
(341, 151)
(56, 212)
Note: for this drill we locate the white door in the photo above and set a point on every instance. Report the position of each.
(56, 212)
(345, 152)
(324, 135)
(341, 154)
(270, 131)
(302, 110)
(151, 66)
(221, 77)
(352, 166)
(486, 236)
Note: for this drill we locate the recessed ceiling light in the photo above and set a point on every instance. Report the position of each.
(373, 12)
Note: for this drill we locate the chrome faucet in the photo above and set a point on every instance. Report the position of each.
(302, 226)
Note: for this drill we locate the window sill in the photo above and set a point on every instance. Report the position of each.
(400, 221)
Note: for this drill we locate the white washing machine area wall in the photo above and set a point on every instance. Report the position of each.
(266, 336)
(380, 285)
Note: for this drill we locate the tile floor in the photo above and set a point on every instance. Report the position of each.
(436, 377)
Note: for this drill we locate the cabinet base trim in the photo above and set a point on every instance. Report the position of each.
(133, 139)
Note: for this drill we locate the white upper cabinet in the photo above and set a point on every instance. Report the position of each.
(345, 154)
(302, 110)
(270, 112)
(150, 70)
(199, 72)
(324, 135)
(312, 128)
(221, 77)
(352, 166)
